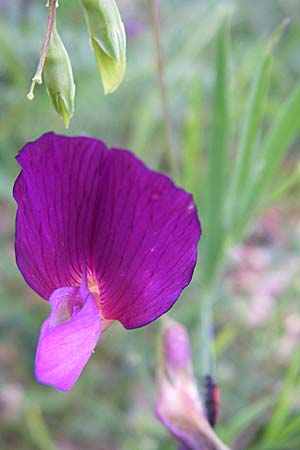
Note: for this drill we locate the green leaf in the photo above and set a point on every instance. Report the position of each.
(250, 131)
(243, 419)
(224, 338)
(6, 183)
(293, 427)
(287, 183)
(283, 407)
(276, 144)
(37, 428)
(217, 163)
(191, 142)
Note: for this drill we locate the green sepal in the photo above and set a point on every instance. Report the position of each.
(108, 40)
(58, 78)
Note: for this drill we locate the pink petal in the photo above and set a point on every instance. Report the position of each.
(67, 342)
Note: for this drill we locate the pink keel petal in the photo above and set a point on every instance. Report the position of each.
(66, 343)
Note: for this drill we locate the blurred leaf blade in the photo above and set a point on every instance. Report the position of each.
(224, 339)
(282, 409)
(6, 186)
(37, 428)
(287, 183)
(217, 161)
(244, 418)
(276, 144)
(250, 129)
(191, 142)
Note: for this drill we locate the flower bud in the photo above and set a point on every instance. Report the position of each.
(58, 78)
(176, 351)
(108, 39)
(179, 406)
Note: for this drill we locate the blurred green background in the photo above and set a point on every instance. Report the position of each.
(256, 294)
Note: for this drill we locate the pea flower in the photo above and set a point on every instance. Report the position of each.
(104, 239)
(179, 406)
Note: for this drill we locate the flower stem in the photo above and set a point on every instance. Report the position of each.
(207, 335)
(162, 87)
(37, 78)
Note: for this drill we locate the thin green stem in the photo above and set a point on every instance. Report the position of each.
(37, 427)
(205, 332)
(207, 335)
(162, 87)
(37, 78)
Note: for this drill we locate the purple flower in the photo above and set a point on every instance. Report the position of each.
(179, 405)
(101, 237)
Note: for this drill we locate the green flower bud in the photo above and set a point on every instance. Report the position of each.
(58, 78)
(108, 40)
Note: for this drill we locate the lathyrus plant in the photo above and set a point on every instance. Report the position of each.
(108, 41)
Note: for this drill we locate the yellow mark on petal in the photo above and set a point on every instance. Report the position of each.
(93, 287)
(106, 323)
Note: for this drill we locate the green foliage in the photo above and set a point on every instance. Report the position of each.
(283, 429)
(233, 171)
(217, 169)
(245, 159)
(244, 419)
(192, 142)
(37, 428)
(238, 189)
(273, 149)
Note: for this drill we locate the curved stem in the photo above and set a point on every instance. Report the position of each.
(162, 87)
(37, 78)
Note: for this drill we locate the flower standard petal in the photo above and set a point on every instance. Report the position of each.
(68, 337)
(151, 231)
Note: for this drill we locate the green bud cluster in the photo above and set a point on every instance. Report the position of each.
(108, 40)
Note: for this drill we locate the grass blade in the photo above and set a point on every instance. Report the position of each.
(243, 419)
(277, 143)
(250, 131)
(217, 163)
(285, 185)
(37, 428)
(283, 407)
(191, 143)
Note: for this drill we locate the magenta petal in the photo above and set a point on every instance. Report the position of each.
(80, 205)
(57, 192)
(66, 342)
(151, 231)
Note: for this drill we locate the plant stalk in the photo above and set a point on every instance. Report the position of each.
(162, 87)
(37, 78)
